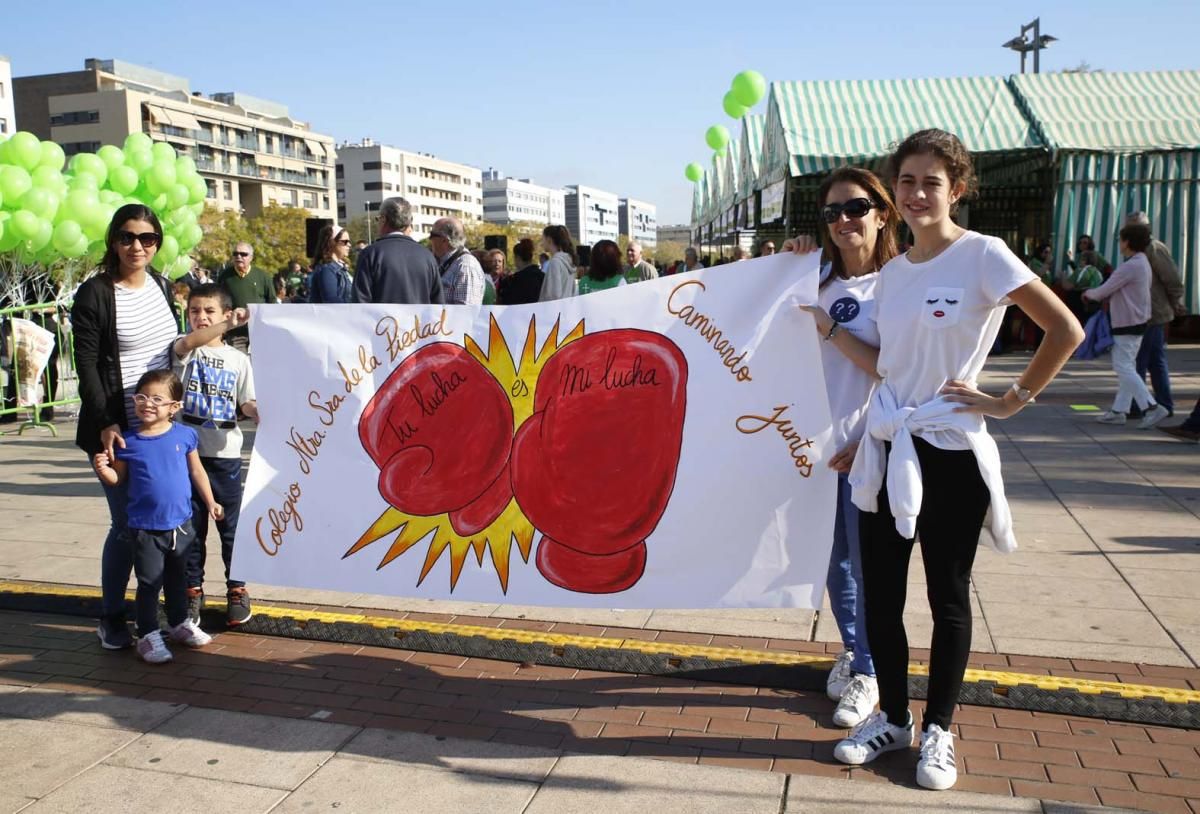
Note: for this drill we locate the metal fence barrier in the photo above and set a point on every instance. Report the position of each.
(58, 384)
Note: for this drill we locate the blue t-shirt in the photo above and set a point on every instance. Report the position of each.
(160, 487)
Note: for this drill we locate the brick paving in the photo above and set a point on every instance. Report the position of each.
(1026, 754)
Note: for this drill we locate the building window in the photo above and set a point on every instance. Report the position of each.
(3, 125)
(342, 213)
(75, 117)
(340, 172)
(374, 186)
(227, 190)
(73, 147)
(376, 165)
(210, 187)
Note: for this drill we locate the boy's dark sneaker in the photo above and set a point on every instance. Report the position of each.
(114, 633)
(239, 607)
(195, 603)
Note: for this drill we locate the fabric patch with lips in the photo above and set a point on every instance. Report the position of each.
(844, 310)
(941, 307)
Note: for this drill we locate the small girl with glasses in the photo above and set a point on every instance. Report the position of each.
(159, 463)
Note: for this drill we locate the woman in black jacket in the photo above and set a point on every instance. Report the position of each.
(523, 286)
(124, 322)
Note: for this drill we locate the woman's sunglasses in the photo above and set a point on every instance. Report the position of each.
(853, 208)
(148, 239)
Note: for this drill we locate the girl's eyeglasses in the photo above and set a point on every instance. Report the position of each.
(853, 208)
(141, 400)
(148, 239)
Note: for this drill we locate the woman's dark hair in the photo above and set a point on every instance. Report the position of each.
(945, 146)
(328, 234)
(523, 250)
(561, 238)
(885, 242)
(1082, 238)
(1042, 249)
(607, 261)
(164, 376)
(128, 212)
(1137, 236)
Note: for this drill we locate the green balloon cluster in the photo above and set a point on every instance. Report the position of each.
(693, 172)
(52, 210)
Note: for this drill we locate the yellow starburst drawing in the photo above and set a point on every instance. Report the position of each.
(517, 379)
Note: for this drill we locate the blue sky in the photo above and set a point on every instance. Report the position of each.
(615, 94)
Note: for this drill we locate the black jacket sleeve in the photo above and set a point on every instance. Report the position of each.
(362, 278)
(90, 330)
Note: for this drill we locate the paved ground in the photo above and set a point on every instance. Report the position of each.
(1104, 586)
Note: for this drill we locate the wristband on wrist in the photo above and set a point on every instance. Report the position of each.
(832, 331)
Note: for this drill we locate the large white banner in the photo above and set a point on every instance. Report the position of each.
(659, 445)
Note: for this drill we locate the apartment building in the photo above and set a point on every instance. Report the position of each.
(639, 220)
(367, 173)
(8, 115)
(513, 200)
(591, 214)
(251, 152)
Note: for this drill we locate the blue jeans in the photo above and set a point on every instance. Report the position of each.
(225, 478)
(845, 579)
(1152, 358)
(116, 559)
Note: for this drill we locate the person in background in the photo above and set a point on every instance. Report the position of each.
(766, 248)
(180, 291)
(691, 260)
(247, 285)
(1086, 255)
(1042, 265)
(560, 268)
(860, 238)
(638, 270)
(543, 259)
(396, 268)
(1189, 430)
(330, 281)
(123, 322)
(1128, 294)
(197, 276)
(739, 254)
(462, 275)
(1166, 303)
(495, 271)
(525, 284)
(605, 269)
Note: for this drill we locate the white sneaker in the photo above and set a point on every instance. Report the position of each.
(858, 701)
(152, 649)
(839, 676)
(1111, 417)
(936, 769)
(1153, 416)
(872, 738)
(189, 633)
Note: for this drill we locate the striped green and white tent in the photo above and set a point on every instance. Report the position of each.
(698, 202)
(813, 127)
(750, 144)
(1122, 142)
(715, 187)
(729, 174)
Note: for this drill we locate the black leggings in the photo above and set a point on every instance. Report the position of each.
(952, 512)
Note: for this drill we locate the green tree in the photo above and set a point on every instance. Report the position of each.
(667, 251)
(477, 231)
(276, 233)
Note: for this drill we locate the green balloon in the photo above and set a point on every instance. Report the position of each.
(160, 178)
(14, 182)
(8, 237)
(733, 108)
(167, 252)
(749, 87)
(140, 160)
(185, 165)
(123, 180)
(25, 150)
(717, 136)
(42, 235)
(40, 202)
(79, 249)
(138, 142)
(198, 208)
(112, 156)
(158, 203)
(89, 164)
(190, 237)
(85, 181)
(693, 172)
(110, 196)
(66, 235)
(24, 224)
(163, 152)
(96, 250)
(177, 196)
(48, 178)
(52, 156)
(80, 205)
(197, 191)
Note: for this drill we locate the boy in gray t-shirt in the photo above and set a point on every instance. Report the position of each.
(217, 385)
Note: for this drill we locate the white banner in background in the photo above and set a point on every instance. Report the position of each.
(658, 445)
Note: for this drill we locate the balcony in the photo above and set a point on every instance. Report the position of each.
(248, 144)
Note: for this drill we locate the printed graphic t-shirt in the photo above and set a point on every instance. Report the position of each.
(851, 303)
(938, 319)
(216, 381)
(160, 488)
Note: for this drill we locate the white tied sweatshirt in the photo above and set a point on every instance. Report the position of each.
(887, 421)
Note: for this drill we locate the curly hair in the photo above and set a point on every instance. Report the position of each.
(947, 147)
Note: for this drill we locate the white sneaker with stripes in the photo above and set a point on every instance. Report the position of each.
(872, 738)
(936, 769)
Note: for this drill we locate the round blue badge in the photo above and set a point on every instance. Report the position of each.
(844, 310)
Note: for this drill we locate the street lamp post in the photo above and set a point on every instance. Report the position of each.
(367, 210)
(1023, 44)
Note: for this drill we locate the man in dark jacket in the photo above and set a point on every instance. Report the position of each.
(396, 268)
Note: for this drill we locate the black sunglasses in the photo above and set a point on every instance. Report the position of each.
(344, 242)
(241, 254)
(854, 208)
(148, 239)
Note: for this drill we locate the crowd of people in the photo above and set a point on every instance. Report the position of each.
(904, 332)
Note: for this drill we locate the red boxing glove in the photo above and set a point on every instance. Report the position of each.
(440, 430)
(593, 468)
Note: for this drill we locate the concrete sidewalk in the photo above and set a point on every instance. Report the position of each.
(1108, 520)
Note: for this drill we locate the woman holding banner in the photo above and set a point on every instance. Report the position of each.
(926, 463)
(861, 220)
(124, 324)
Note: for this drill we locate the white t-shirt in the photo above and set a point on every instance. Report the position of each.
(145, 330)
(216, 381)
(851, 304)
(938, 319)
